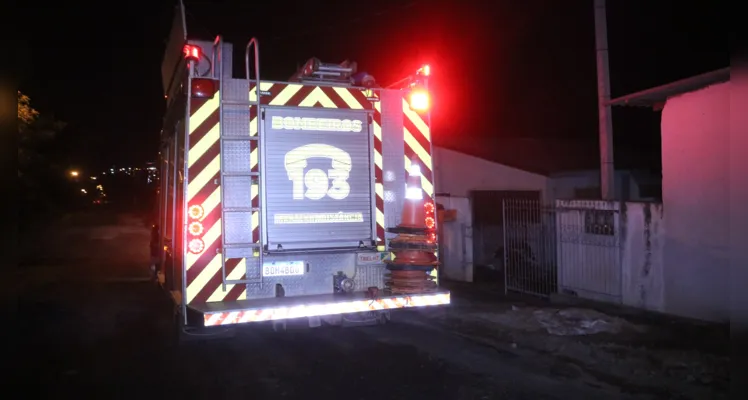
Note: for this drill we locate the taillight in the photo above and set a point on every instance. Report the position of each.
(195, 229)
(195, 212)
(430, 220)
(202, 88)
(196, 246)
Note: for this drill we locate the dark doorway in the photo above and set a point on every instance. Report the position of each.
(488, 230)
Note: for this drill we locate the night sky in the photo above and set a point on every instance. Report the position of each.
(514, 81)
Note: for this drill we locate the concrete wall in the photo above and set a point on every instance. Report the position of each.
(624, 265)
(696, 189)
(589, 257)
(458, 173)
(642, 233)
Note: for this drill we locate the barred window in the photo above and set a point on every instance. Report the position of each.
(599, 222)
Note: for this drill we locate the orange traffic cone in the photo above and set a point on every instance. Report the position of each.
(413, 253)
(414, 212)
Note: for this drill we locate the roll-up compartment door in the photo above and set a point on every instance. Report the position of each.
(317, 178)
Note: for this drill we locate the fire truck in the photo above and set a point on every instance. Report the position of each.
(277, 199)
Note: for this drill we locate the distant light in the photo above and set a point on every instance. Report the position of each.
(93, 178)
(74, 174)
(83, 191)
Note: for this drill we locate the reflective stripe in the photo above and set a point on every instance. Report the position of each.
(315, 310)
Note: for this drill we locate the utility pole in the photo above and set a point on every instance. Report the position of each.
(605, 117)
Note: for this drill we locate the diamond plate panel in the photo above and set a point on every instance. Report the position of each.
(237, 227)
(227, 60)
(253, 268)
(237, 191)
(368, 276)
(239, 252)
(235, 90)
(317, 280)
(235, 157)
(235, 121)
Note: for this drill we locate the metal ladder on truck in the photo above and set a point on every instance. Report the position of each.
(250, 250)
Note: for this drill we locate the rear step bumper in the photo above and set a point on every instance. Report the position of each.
(279, 308)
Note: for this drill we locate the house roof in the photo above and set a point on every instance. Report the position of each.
(530, 155)
(657, 95)
(538, 156)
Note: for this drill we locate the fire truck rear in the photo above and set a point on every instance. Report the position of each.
(278, 199)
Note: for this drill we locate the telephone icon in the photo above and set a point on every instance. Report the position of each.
(315, 184)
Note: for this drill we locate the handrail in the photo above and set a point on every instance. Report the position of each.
(217, 44)
(256, 44)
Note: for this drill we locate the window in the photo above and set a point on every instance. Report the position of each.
(599, 222)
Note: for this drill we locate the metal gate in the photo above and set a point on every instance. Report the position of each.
(488, 231)
(529, 248)
(572, 247)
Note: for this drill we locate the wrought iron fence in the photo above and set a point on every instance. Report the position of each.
(551, 248)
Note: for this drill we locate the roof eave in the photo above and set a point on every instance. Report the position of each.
(656, 97)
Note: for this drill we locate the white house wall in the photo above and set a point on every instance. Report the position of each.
(695, 190)
(458, 174)
(456, 241)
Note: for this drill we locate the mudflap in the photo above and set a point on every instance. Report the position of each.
(192, 332)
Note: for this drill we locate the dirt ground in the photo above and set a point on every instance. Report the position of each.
(639, 354)
(92, 323)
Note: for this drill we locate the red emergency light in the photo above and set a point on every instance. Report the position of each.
(192, 52)
(425, 70)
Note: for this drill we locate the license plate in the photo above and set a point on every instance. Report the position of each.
(283, 268)
(369, 258)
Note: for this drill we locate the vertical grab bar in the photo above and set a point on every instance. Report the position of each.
(216, 45)
(256, 46)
